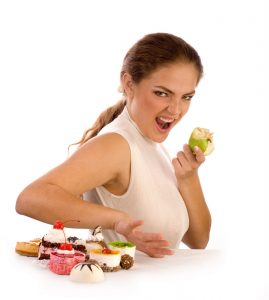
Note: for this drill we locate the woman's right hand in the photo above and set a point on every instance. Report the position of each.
(153, 244)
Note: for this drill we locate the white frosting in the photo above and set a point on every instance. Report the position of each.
(87, 272)
(55, 236)
(59, 251)
(111, 260)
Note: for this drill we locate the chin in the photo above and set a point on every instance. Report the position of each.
(159, 139)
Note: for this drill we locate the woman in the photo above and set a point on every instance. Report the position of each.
(130, 185)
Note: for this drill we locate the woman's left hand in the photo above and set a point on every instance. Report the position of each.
(187, 163)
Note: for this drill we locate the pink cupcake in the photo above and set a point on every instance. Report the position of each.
(64, 259)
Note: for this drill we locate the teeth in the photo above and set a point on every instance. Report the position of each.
(166, 120)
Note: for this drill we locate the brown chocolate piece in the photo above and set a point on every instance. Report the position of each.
(126, 262)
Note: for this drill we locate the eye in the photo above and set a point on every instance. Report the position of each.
(160, 93)
(188, 98)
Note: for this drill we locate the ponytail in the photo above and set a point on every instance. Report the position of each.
(106, 117)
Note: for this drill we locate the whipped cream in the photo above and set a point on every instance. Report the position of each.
(59, 251)
(55, 236)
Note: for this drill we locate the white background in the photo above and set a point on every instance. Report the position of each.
(59, 68)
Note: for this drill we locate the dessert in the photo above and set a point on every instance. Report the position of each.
(95, 239)
(126, 261)
(89, 271)
(202, 138)
(127, 250)
(64, 259)
(109, 260)
(123, 247)
(28, 248)
(52, 240)
(79, 245)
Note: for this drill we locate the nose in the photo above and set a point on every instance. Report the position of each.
(174, 107)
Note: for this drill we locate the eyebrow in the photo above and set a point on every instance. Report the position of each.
(169, 91)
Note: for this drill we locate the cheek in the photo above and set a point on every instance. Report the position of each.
(146, 102)
(185, 108)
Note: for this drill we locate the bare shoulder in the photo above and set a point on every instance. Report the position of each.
(110, 147)
(112, 140)
(102, 160)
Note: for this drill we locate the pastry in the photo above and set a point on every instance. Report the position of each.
(79, 245)
(95, 239)
(52, 240)
(202, 138)
(127, 250)
(89, 271)
(109, 260)
(123, 247)
(28, 248)
(64, 259)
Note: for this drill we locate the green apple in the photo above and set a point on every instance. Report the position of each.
(202, 138)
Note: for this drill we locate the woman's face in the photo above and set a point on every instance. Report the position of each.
(159, 102)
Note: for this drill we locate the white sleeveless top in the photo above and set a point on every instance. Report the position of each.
(152, 195)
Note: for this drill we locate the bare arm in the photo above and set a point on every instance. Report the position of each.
(104, 160)
(186, 167)
(56, 195)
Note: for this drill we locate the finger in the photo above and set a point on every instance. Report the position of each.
(178, 167)
(160, 252)
(185, 164)
(176, 164)
(188, 153)
(157, 244)
(199, 154)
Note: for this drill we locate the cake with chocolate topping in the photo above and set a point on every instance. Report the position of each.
(51, 241)
(79, 245)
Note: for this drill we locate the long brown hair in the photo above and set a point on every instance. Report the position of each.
(146, 55)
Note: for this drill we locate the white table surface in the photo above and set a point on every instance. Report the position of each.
(189, 274)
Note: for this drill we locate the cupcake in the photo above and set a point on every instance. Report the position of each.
(109, 260)
(89, 272)
(95, 239)
(64, 259)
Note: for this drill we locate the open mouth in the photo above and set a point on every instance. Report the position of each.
(164, 123)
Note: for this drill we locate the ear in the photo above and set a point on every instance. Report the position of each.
(127, 85)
